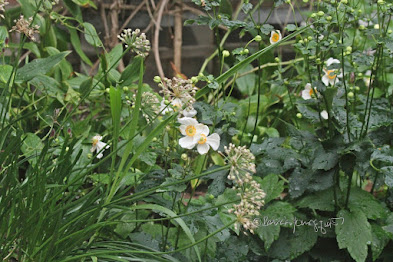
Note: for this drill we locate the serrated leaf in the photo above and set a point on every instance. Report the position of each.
(323, 200)
(272, 187)
(366, 203)
(325, 160)
(380, 240)
(354, 234)
(40, 66)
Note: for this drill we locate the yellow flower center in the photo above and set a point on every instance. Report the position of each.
(190, 130)
(330, 74)
(95, 141)
(202, 140)
(312, 92)
(176, 107)
(275, 37)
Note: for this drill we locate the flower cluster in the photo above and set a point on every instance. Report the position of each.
(309, 92)
(180, 93)
(136, 41)
(196, 134)
(98, 146)
(251, 195)
(149, 105)
(2, 4)
(23, 26)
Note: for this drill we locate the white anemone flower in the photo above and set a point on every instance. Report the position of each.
(190, 128)
(98, 146)
(330, 76)
(309, 92)
(275, 36)
(205, 142)
(324, 114)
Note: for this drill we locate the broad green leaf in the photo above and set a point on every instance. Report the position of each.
(272, 186)
(5, 73)
(86, 86)
(380, 240)
(91, 35)
(324, 160)
(32, 147)
(292, 244)
(246, 83)
(76, 43)
(85, 3)
(39, 66)
(323, 200)
(115, 55)
(366, 203)
(48, 86)
(354, 234)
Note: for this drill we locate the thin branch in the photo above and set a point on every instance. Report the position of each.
(156, 39)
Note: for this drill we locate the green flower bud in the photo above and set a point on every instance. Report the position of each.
(166, 102)
(125, 88)
(362, 27)
(313, 15)
(258, 38)
(299, 115)
(376, 26)
(184, 157)
(360, 75)
(194, 79)
(107, 90)
(344, 2)
(246, 51)
(225, 53)
(305, 1)
(357, 88)
(157, 79)
(381, 2)
(329, 18)
(301, 41)
(351, 94)
(349, 49)
(390, 31)
(277, 59)
(321, 13)
(309, 38)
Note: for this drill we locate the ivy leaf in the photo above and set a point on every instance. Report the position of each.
(291, 27)
(354, 234)
(325, 160)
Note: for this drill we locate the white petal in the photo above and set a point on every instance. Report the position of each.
(214, 141)
(164, 109)
(187, 142)
(93, 148)
(187, 121)
(324, 114)
(331, 60)
(189, 113)
(203, 148)
(306, 94)
(101, 145)
(202, 129)
(325, 80)
(100, 155)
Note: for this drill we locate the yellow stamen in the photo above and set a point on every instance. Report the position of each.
(95, 141)
(190, 130)
(275, 37)
(330, 74)
(202, 140)
(312, 92)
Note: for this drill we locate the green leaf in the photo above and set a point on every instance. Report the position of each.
(39, 66)
(131, 72)
(290, 27)
(76, 43)
(32, 147)
(5, 73)
(271, 217)
(354, 234)
(325, 160)
(360, 200)
(86, 86)
(48, 86)
(323, 200)
(91, 35)
(246, 83)
(292, 244)
(380, 240)
(179, 220)
(85, 3)
(272, 186)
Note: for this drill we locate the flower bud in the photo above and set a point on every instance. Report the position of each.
(157, 79)
(125, 88)
(184, 157)
(258, 38)
(299, 115)
(225, 53)
(350, 94)
(376, 26)
(321, 13)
